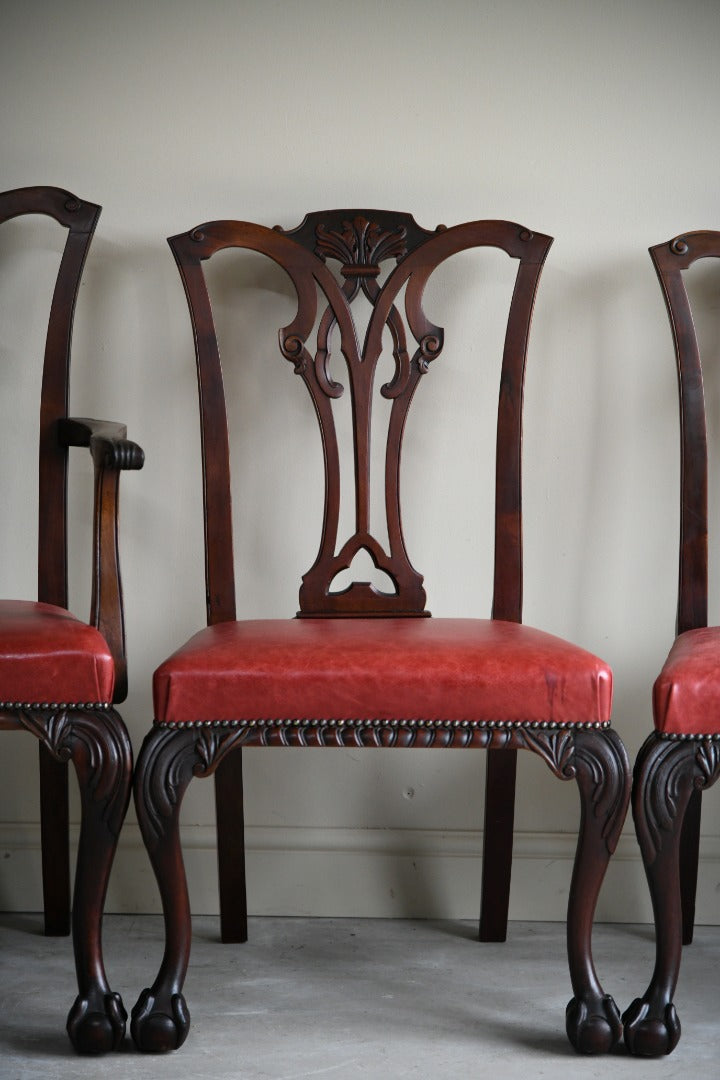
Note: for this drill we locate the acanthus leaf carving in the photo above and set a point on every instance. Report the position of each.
(556, 748)
(96, 741)
(602, 771)
(172, 757)
(667, 770)
(707, 759)
(663, 782)
(361, 245)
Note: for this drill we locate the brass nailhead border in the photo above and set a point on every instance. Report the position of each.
(674, 736)
(539, 725)
(54, 705)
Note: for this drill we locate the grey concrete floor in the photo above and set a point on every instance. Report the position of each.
(347, 998)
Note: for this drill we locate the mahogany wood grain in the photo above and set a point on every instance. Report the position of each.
(54, 842)
(230, 814)
(500, 777)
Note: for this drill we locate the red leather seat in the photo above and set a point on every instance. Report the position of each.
(47, 655)
(686, 695)
(381, 669)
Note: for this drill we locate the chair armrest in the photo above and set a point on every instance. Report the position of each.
(111, 452)
(107, 440)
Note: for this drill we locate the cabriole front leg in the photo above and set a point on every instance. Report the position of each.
(602, 772)
(168, 760)
(667, 772)
(597, 760)
(97, 743)
(160, 1020)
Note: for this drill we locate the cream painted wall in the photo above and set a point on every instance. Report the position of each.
(594, 122)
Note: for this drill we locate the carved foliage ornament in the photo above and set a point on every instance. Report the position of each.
(666, 773)
(592, 756)
(96, 743)
(361, 245)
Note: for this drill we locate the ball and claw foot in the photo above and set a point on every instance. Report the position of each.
(154, 1029)
(97, 1026)
(593, 1029)
(650, 1036)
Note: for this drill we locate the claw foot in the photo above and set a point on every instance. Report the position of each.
(650, 1036)
(593, 1027)
(96, 1026)
(155, 1028)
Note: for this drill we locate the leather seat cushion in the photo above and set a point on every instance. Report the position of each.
(381, 669)
(47, 655)
(686, 695)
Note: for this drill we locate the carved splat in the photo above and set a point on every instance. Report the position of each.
(333, 258)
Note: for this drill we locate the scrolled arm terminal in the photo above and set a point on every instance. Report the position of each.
(106, 439)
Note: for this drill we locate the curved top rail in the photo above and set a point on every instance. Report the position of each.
(66, 208)
(682, 251)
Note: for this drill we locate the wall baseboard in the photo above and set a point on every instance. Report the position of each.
(365, 873)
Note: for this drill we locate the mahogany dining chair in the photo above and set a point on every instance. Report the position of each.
(60, 677)
(364, 666)
(681, 757)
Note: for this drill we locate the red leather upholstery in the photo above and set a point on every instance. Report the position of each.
(381, 669)
(47, 655)
(686, 695)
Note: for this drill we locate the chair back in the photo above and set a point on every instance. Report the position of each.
(333, 258)
(670, 260)
(80, 219)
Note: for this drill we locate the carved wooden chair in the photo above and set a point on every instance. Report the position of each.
(359, 666)
(682, 756)
(59, 677)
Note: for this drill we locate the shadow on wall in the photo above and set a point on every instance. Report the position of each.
(610, 498)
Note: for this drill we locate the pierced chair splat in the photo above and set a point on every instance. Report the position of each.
(60, 677)
(681, 757)
(364, 667)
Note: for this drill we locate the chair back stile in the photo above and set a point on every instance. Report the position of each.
(670, 260)
(360, 241)
(80, 219)
(508, 580)
(217, 507)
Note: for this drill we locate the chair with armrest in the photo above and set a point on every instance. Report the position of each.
(362, 667)
(59, 676)
(681, 757)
